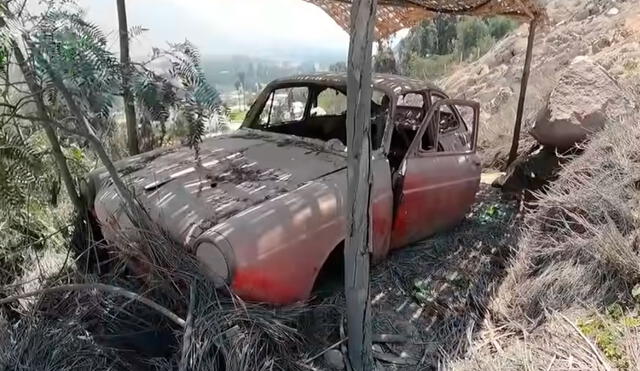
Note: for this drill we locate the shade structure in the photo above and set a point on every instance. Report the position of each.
(394, 15)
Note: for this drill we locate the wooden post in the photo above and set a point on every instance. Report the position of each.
(127, 96)
(357, 243)
(513, 153)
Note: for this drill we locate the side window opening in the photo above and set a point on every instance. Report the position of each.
(380, 110)
(409, 113)
(446, 121)
(329, 102)
(448, 130)
(428, 138)
(328, 115)
(284, 105)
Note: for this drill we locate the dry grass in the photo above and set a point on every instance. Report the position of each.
(579, 249)
(102, 330)
(244, 336)
(556, 345)
(42, 344)
(580, 240)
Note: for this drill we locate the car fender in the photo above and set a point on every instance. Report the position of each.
(280, 245)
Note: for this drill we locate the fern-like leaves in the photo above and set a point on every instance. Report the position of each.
(184, 89)
(19, 168)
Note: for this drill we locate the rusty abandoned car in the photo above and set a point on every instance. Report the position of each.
(263, 208)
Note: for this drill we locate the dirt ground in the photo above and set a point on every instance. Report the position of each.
(430, 296)
(427, 303)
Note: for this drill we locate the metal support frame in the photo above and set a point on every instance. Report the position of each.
(513, 153)
(358, 239)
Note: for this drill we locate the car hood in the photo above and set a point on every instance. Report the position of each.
(234, 172)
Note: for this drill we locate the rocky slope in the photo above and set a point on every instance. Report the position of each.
(570, 298)
(606, 31)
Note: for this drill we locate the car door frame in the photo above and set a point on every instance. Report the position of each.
(416, 153)
(432, 109)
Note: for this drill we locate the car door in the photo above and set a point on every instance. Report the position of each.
(440, 173)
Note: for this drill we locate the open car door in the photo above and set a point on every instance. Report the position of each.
(440, 174)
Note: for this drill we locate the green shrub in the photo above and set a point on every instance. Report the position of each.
(470, 31)
(609, 331)
(431, 67)
(500, 26)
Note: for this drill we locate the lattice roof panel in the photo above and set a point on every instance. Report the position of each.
(394, 15)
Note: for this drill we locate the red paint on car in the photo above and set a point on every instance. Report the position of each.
(272, 195)
(258, 285)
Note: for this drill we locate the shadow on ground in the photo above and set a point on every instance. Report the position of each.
(434, 292)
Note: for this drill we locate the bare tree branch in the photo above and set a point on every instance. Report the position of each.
(102, 287)
(59, 157)
(136, 213)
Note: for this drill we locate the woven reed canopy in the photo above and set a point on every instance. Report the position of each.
(394, 15)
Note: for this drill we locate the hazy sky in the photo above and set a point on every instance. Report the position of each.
(253, 27)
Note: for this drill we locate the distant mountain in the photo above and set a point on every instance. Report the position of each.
(224, 71)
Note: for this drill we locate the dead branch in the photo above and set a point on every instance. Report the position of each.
(102, 287)
(393, 359)
(311, 359)
(186, 338)
(389, 338)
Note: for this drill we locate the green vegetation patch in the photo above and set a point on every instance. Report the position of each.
(608, 332)
(237, 116)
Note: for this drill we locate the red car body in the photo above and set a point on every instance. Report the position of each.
(264, 208)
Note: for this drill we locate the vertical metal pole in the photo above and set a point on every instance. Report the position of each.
(513, 153)
(358, 240)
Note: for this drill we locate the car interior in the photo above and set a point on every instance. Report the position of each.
(319, 112)
(410, 111)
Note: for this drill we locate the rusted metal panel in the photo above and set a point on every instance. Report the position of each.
(273, 205)
(236, 172)
(281, 245)
(437, 193)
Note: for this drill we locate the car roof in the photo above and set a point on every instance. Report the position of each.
(390, 84)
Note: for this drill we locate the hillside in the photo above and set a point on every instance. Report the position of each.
(607, 31)
(569, 299)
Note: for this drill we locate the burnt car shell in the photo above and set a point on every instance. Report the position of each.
(264, 210)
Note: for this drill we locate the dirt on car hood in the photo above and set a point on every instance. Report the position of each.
(234, 172)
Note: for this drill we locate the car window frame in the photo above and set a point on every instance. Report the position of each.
(315, 95)
(254, 123)
(455, 111)
(415, 150)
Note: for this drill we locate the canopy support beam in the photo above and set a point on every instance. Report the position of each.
(513, 153)
(357, 247)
